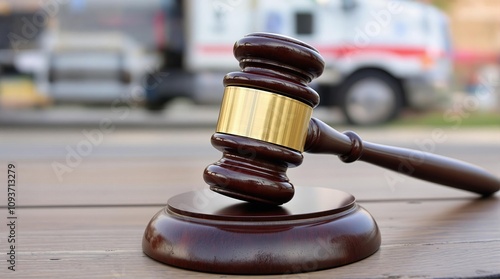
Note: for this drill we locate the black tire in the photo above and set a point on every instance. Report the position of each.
(370, 98)
(156, 106)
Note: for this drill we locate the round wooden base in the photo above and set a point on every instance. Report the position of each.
(319, 228)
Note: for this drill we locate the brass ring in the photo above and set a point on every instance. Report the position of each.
(265, 116)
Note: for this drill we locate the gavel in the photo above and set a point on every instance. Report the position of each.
(265, 125)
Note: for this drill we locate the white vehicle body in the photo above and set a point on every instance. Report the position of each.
(91, 68)
(93, 51)
(405, 42)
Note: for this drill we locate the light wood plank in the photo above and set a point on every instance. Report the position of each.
(447, 260)
(427, 230)
(400, 223)
(453, 238)
(149, 166)
(155, 180)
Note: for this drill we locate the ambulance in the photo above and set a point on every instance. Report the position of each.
(381, 55)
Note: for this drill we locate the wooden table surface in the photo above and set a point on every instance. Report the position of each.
(88, 222)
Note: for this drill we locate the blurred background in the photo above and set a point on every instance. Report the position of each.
(114, 101)
(155, 62)
(108, 105)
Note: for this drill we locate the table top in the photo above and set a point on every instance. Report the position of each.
(82, 206)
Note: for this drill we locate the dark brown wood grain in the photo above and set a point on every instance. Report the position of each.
(430, 167)
(321, 228)
(253, 170)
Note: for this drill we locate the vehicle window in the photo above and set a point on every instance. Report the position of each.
(304, 23)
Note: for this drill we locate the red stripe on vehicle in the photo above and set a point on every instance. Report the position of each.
(340, 51)
(215, 49)
(336, 51)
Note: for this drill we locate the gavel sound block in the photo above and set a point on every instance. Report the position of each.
(255, 227)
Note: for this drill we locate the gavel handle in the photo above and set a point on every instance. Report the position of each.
(321, 138)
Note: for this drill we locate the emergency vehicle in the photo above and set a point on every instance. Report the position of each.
(381, 55)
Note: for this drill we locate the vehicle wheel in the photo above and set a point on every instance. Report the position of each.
(370, 98)
(156, 106)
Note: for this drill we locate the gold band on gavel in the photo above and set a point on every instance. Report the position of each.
(264, 116)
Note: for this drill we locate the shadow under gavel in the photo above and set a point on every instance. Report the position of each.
(265, 124)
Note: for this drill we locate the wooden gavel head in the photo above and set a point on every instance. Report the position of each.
(265, 124)
(264, 118)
